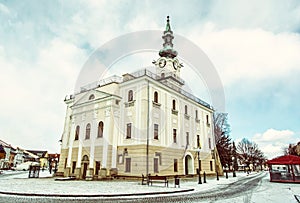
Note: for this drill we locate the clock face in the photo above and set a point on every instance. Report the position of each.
(162, 63)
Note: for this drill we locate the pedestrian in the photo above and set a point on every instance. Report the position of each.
(50, 168)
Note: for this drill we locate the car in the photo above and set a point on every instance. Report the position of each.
(25, 166)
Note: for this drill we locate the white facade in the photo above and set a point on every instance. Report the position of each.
(143, 122)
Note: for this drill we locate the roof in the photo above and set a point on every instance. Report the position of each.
(287, 159)
(6, 145)
(39, 153)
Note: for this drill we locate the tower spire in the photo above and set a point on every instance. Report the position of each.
(167, 50)
(168, 27)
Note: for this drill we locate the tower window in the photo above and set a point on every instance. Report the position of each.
(196, 114)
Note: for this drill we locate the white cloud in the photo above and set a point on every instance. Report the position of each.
(272, 142)
(32, 108)
(4, 9)
(253, 54)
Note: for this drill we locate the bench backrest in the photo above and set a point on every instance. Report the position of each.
(157, 177)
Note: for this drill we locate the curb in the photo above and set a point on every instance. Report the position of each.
(94, 195)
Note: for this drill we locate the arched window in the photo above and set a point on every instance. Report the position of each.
(77, 132)
(155, 97)
(87, 131)
(174, 104)
(100, 129)
(185, 109)
(92, 97)
(130, 95)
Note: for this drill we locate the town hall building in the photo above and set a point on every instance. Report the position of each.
(141, 123)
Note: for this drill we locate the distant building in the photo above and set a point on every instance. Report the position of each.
(143, 122)
(7, 154)
(42, 156)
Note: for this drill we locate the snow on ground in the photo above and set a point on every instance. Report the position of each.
(265, 192)
(268, 192)
(19, 182)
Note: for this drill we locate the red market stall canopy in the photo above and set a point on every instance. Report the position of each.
(287, 159)
(285, 169)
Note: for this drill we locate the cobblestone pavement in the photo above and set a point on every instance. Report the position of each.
(225, 191)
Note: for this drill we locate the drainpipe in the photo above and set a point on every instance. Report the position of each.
(148, 125)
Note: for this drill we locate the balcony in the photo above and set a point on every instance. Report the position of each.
(156, 105)
(129, 104)
(174, 112)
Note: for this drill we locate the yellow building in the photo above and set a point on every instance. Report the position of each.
(140, 123)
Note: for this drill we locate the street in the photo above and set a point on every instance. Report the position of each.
(255, 187)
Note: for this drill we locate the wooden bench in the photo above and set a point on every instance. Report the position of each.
(159, 179)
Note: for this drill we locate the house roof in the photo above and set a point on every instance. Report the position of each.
(4, 144)
(39, 153)
(287, 159)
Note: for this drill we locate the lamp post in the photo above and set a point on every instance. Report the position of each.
(233, 169)
(199, 166)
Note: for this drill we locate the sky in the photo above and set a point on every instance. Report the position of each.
(253, 45)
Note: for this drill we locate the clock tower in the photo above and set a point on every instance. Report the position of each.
(168, 63)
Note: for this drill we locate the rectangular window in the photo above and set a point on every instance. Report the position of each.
(156, 131)
(128, 135)
(73, 166)
(196, 114)
(175, 165)
(207, 120)
(128, 165)
(66, 159)
(187, 139)
(97, 167)
(174, 135)
(159, 157)
(209, 143)
(155, 165)
(198, 141)
(211, 165)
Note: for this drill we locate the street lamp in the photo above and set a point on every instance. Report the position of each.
(234, 175)
(199, 166)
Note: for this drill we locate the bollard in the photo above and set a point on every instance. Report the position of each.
(204, 177)
(217, 176)
(226, 175)
(177, 181)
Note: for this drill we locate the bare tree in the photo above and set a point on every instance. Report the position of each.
(249, 153)
(293, 149)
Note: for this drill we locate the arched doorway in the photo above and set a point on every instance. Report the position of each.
(85, 163)
(188, 165)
